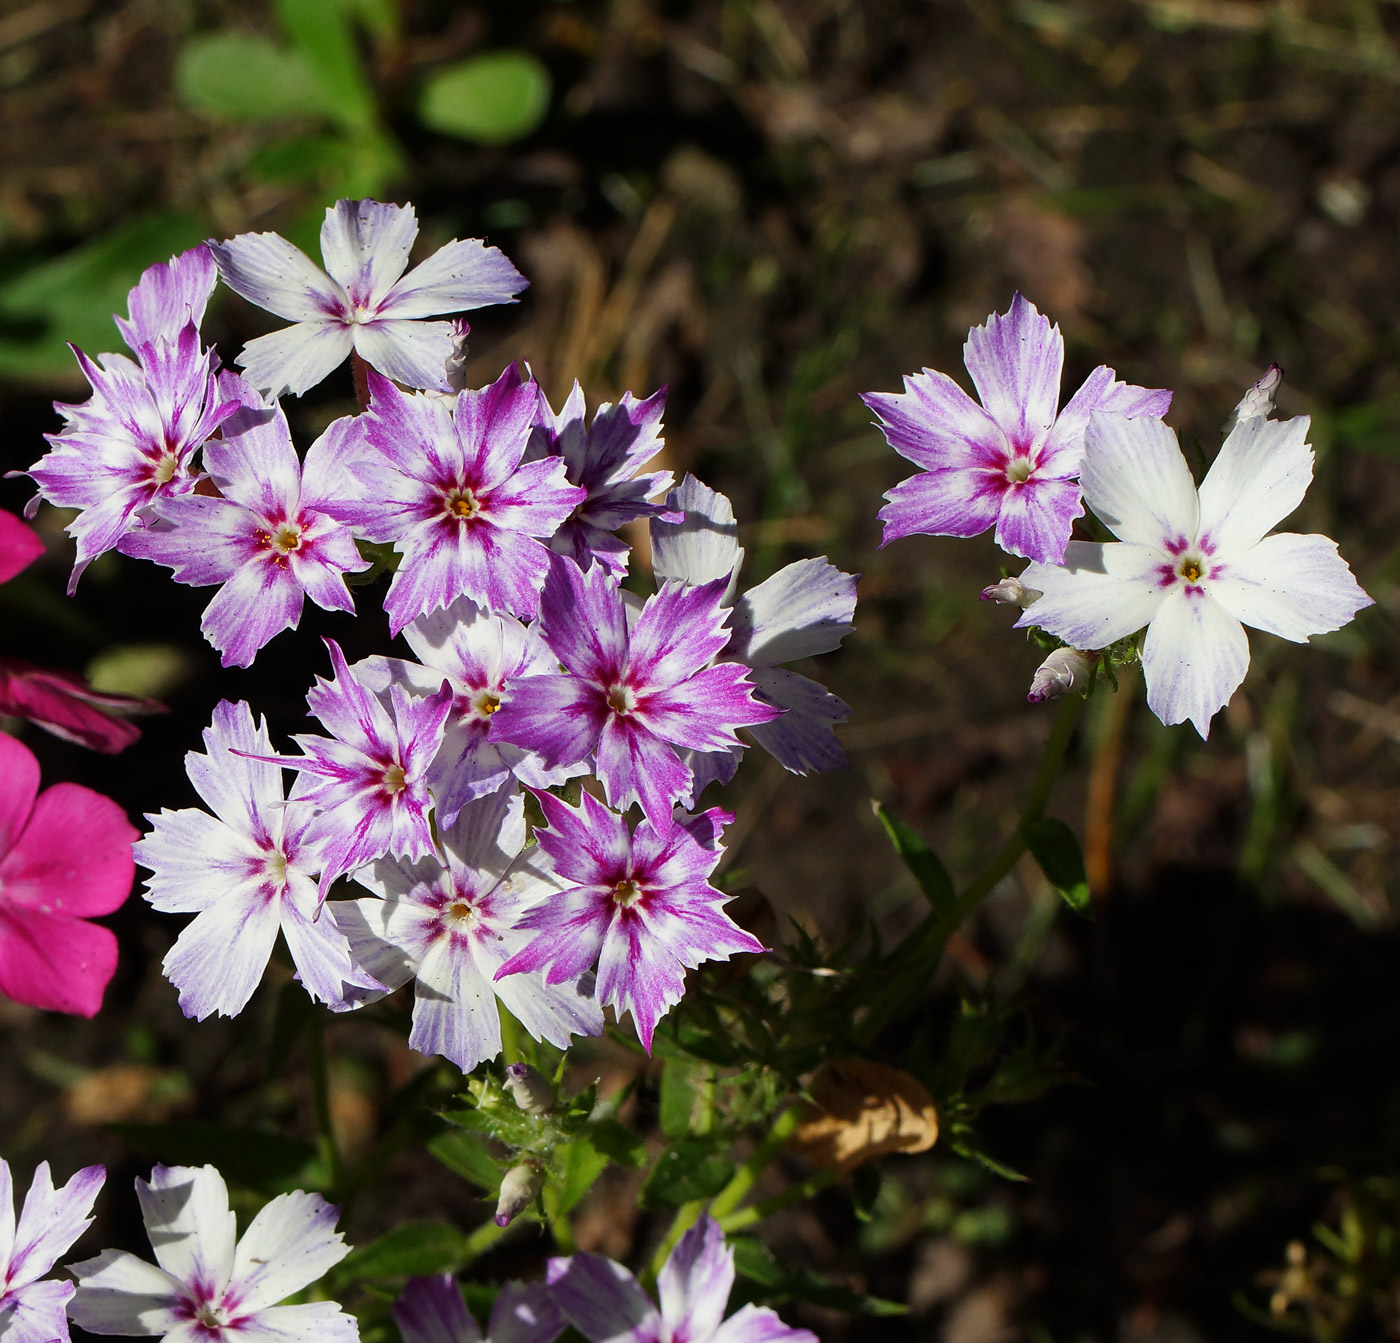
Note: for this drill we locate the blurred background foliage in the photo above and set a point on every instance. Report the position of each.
(772, 205)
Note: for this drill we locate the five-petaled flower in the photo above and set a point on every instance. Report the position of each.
(366, 303)
(213, 1286)
(1194, 567)
(638, 903)
(1010, 462)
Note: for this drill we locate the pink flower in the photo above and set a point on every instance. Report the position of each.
(64, 704)
(19, 546)
(65, 854)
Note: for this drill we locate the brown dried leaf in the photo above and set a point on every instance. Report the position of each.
(862, 1110)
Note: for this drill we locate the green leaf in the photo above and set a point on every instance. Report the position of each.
(415, 1249)
(617, 1142)
(466, 1155)
(247, 77)
(583, 1164)
(755, 1261)
(490, 99)
(689, 1169)
(679, 1078)
(921, 860)
(1055, 848)
(323, 37)
(253, 1158)
(72, 297)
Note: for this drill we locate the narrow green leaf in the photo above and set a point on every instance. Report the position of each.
(583, 1164)
(921, 860)
(490, 99)
(415, 1249)
(679, 1080)
(689, 1169)
(1054, 847)
(756, 1262)
(465, 1155)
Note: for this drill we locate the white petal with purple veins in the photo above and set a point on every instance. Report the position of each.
(1015, 361)
(703, 547)
(1293, 586)
(1100, 594)
(413, 353)
(121, 1294)
(694, 1283)
(297, 357)
(461, 275)
(365, 245)
(1259, 478)
(1194, 658)
(1137, 482)
(802, 610)
(289, 1244)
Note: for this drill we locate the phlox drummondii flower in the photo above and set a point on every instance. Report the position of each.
(1010, 462)
(606, 1304)
(431, 1310)
(633, 696)
(451, 924)
(20, 546)
(245, 872)
(447, 486)
(368, 781)
(32, 1307)
(65, 856)
(66, 705)
(802, 610)
(636, 902)
(1194, 567)
(270, 540)
(168, 296)
(134, 441)
(480, 656)
(366, 303)
(209, 1286)
(604, 460)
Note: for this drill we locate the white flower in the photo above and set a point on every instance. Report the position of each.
(208, 1288)
(1194, 567)
(1064, 670)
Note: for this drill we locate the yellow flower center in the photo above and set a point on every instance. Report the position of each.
(627, 892)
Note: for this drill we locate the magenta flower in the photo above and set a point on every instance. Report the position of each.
(603, 459)
(431, 1310)
(804, 609)
(1011, 462)
(450, 924)
(606, 1304)
(246, 873)
(64, 704)
(20, 546)
(270, 540)
(208, 1284)
(633, 697)
(366, 302)
(168, 296)
(638, 903)
(368, 780)
(480, 656)
(65, 855)
(31, 1306)
(448, 488)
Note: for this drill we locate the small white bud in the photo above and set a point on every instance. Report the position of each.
(1064, 670)
(519, 1189)
(529, 1088)
(1011, 592)
(1258, 402)
(455, 365)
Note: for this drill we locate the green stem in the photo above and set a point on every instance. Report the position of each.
(481, 1240)
(919, 956)
(804, 1189)
(321, 1100)
(747, 1175)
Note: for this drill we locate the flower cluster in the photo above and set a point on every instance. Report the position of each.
(498, 520)
(1189, 567)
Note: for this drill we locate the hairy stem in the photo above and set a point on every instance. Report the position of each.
(321, 1100)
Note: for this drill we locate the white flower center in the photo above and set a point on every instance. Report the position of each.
(1018, 470)
(458, 915)
(210, 1316)
(485, 702)
(622, 699)
(165, 468)
(627, 892)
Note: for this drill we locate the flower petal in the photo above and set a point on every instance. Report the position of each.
(463, 274)
(1102, 593)
(20, 546)
(524, 1312)
(1194, 658)
(35, 1313)
(268, 270)
(1290, 585)
(602, 1300)
(1037, 518)
(801, 739)
(1015, 361)
(702, 547)
(191, 1227)
(289, 1245)
(1064, 449)
(945, 502)
(55, 962)
(1137, 482)
(431, 1310)
(296, 358)
(51, 1220)
(315, 1322)
(759, 1324)
(694, 1283)
(802, 610)
(413, 353)
(121, 1294)
(935, 424)
(219, 958)
(365, 246)
(1259, 478)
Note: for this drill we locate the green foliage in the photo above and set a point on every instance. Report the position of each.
(235, 76)
(1053, 845)
(412, 1249)
(921, 860)
(778, 1284)
(689, 1169)
(257, 1159)
(491, 99)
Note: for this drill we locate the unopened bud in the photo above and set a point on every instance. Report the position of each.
(1064, 670)
(529, 1088)
(1011, 592)
(1258, 402)
(519, 1189)
(455, 365)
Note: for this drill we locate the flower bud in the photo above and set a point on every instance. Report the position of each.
(1064, 670)
(1011, 592)
(1258, 402)
(455, 365)
(519, 1189)
(529, 1088)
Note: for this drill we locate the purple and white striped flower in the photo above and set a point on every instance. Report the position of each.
(637, 902)
(208, 1284)
(448, 488)
(134, 441)
(1011, 462)
(366, 303)
(604, 460)
(802, 610)
(633, 697)
(368, 780)
(270, 540)
(450, 924)
(32, 1306)
(606, 1304)
(1194, 567)
(168, 296)
(431, 1310)
(244, 872)
(481, 656)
